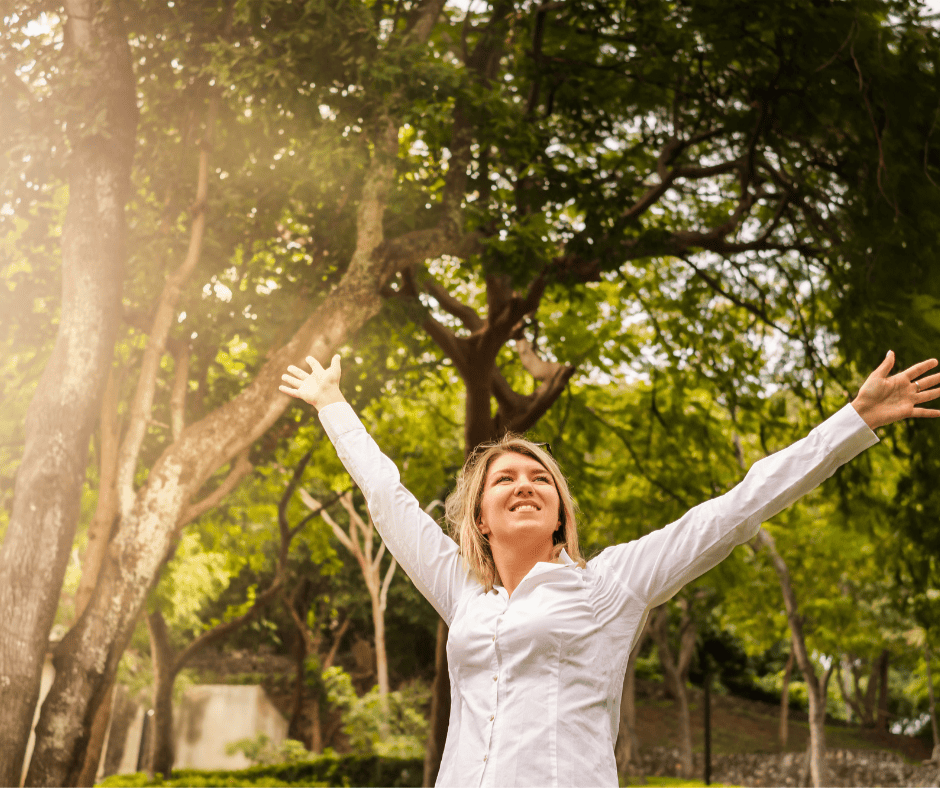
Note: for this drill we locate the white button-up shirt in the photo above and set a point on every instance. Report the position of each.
(536, 679)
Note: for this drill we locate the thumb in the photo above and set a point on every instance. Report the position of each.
(885, 366)
(335, 366)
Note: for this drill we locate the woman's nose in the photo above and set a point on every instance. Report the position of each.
(524, 486)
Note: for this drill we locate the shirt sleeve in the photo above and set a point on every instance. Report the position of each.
(428, 556)
(656, 566)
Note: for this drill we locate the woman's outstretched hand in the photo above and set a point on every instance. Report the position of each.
(319, 387)
(882, 400)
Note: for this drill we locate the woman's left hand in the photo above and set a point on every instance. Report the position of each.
(882, 400)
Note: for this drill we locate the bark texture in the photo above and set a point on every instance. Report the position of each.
(816, 687)
(627, 741)
(62, 414)
(676, 673)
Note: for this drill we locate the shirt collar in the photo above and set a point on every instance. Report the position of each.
(547, 566)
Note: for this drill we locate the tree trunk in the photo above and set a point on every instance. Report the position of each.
(881, 721)
(676, 681)
(99, 534)
(381, 657)
(164, 676)
(785, 703)
(627, 743)
(96, 742)
(817, 729)
(932, 706)
(440, 709)
(65, 407)
(815, 689)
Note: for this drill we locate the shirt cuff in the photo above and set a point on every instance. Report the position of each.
(338, 418)
(847, 434)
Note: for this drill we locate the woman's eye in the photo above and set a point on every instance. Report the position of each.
(543, 479)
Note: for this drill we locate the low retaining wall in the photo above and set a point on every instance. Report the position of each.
(846, 768)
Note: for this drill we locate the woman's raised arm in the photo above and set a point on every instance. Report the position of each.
(660, 563)
(428, 556)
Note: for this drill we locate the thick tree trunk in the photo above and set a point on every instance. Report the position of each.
(65, 407)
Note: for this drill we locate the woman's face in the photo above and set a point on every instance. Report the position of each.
(520, 504)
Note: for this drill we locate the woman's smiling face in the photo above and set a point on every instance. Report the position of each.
(520, 502)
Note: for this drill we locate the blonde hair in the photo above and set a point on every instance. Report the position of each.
(462, 509)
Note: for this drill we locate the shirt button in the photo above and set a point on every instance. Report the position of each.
(492, 718)
(484, 757)
(494, 638)
(495, 678)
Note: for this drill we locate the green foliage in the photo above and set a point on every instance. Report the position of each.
(329, 769)
(392, 725)
(261, 750)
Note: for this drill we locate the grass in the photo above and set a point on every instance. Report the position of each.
(673, 781)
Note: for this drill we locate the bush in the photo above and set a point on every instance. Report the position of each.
(260, 750)
(327, 770)
(392, 726)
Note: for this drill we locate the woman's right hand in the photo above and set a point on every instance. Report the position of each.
(319, 387)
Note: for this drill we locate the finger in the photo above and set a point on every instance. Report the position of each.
(928, 382)
(315, 365)
(297, 372)
(334, 365)
(291, 380)
(926, 396)
(919, 369)
(289, 391)
(925, 413)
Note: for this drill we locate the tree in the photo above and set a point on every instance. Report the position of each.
(676, 672)
(168, 662)
(102, 124)
(358, 540)
(548, 151)
(816, 687)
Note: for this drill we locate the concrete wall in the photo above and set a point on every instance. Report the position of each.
(211, 716)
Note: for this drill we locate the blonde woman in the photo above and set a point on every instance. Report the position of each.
(539, 638)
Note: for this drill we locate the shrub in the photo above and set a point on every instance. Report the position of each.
(326, 770)
(261, 750)
(392, 726)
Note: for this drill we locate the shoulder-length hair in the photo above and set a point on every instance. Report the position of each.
(462, 509)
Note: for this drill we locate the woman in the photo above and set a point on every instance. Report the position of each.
(539, 639)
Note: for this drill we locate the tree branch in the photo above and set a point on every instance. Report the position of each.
(142, 404)
(178, 395)
(239, 471)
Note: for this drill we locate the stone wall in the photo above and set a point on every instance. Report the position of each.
(846, 768)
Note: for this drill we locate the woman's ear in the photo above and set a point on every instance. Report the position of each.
(484, 529)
